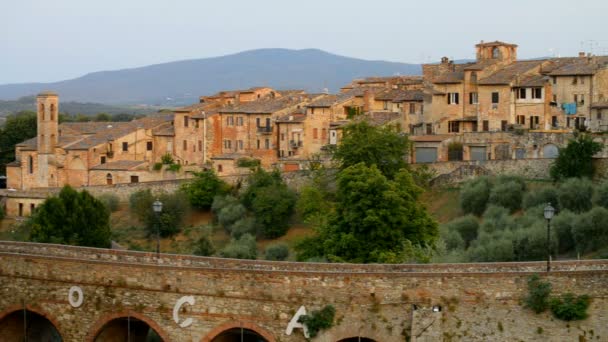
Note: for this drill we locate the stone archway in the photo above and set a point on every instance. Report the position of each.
(126, 326)
(232, 332)
(28, 324)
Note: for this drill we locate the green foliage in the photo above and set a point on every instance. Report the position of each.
(248, 162)
(271, 202)
(423, 175)
(1, 213)
(496, 218)
(167, 159)
(310, 202)
(474, 196)
(73, 218)
(111, 201)
(508, 194)
(242, 226)
(319, 320)
(590, 230)
(353, 112)
(157, 166)
(542, 196)
(374, 217)
(570, 307)
(277, 252)
(563, 226)
(537, 298)
(243, 248)
(492, 247)
(170, 221)
(451, 238)
(466, 227)
(204, 247)
(530, 243)
(17, 128)
(382, 147)
(174, 167)
(204, 188)
(575, 194)
(575, 160)
(230, 213)
(601, 195)
(102, 117)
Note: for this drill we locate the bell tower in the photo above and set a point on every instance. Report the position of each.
(47, 126)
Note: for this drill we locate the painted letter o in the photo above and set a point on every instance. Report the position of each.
(78, 301)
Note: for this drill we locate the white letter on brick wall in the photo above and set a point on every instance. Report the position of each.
(75, 302)
(295, 324)
(178, 305)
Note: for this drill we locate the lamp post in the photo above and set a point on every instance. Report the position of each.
(157, 206)
(549, 211)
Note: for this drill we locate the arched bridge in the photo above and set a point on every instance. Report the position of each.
(64, 293)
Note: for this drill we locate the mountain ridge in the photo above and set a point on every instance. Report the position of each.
(182, 82)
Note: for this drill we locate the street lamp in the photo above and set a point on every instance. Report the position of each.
(157, 206)
(549, 211)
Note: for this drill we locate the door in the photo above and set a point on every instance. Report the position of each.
(426, 154)
(550, 151)
(333, 137)
(479, 153)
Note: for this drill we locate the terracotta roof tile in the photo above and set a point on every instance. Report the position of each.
(509, 73)
(120, 165)
(265, 105)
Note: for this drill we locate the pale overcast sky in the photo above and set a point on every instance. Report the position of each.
(54, 40)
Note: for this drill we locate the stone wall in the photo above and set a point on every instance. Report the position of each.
(474, 302)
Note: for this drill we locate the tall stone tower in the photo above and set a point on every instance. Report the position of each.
(48, 133)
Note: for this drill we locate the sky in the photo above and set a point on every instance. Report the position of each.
(45, 41)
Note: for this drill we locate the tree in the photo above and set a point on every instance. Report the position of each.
(203, 188)
(243, 248)
(204, 247)
(277, 252)
(508, 195)
(170, 220)
(466, 227)
(474, 196)
(74, 218)
(575, 194)
(590, 230)
(364, 143)
(575, 160)
(16, 129)
(101, 117)
(374, 219)
(271, 202)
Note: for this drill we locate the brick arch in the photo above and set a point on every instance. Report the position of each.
(100, 324)
(36, 310)
(231, 325)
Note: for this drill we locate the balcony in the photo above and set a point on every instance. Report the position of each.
(295, 144)
(265, 129)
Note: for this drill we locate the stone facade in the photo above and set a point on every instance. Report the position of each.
(467, 302)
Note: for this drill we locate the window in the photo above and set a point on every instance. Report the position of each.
(576, 98)
(521, 120)
(200, 145)
(125, 146)
(257, 122)
(554, 121)
(537, 93)
(582, 79)
(324, 133)
(30, 164)
(220, 168)
(473, 77)
(534, 122)
(102, 160)
(473, 98)
(452, 98)
(453, 126)
(385, 105)
(582, 98)
(312, 110)
(267, 144)
(52, 111)
(32, 208)
(109, 179)
(227, 144)
(186, 119)
(412, 108)
(134, 179)
(495, 97)
(239, 121)
(521, 93)
(574, 80)
(148, 145)
(42, 111)
(230, 121)
(429, 128)
(486, 125)
(495, 52)
(185, 143)
(599, 114)
(258, 143)
(554, 80)
(503, 125)
(282, 136)
(315, 133)
(475, 126)
(554, 98)
(240, 144)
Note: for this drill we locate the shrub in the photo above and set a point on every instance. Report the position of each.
(170, 220)
(272, 207)
(111, 201)
(243, 248)
(451, 237)
(174, 167)
(277, 252)
(204, 247)
(318, 320)
(601, 195)
(490, 247)
(474, 196)
(538, 294)
(423, 175)
(310, 202)
(570, 307)
(575, 194)
(496, 219)
(467, 227)
(541, 197)
(220, 202)
(590, 230)
(167, 159)
(204, 188)
(231, 213)
(575, 160)
(508, 194)
(157, 166)
(530, 243)
(242, 226)
(248, 162)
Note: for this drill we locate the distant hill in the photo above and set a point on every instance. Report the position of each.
(181, 82)
(70, 107)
